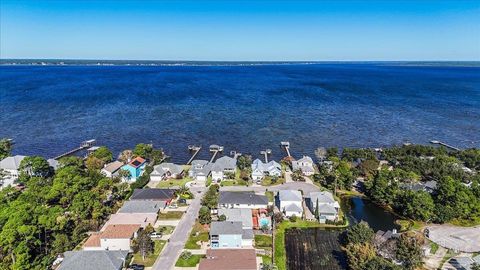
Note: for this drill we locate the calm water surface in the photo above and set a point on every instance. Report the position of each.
(48, 110)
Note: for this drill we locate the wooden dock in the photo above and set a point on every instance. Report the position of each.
(266, 153)
(195, 149)
(215, 149)
(444, 144)
(286, 146)
(84, 145)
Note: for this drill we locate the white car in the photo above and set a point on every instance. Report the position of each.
(155, 235)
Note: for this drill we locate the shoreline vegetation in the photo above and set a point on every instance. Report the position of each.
(52, 210)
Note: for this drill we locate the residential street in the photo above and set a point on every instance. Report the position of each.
(166, 260)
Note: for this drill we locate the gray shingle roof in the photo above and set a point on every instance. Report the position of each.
(326, 209)
(290, 195)
(163, 168)
(153, 194)
(231, 197)
(93, 260)
(323, 197)
(226, 227)
(224, 163)
(293, 208)
(238, 214)
(11, 163)
(247, 234)
(113, 166)
(142, 206)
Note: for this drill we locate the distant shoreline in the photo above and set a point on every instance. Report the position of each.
(72, 62)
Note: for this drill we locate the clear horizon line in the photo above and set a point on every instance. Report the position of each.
(233, 61)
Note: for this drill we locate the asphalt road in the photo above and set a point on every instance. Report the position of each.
(174, 247)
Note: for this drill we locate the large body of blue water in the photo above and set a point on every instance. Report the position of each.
(48, 110)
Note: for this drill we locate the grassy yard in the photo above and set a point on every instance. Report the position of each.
(165, 229)
(280, 252)
(208, 182)
(171, 215)
(192, 262)
(238, 182)
(173, 183)
(270, 195)
(267, 181)
(150, 259)
(263, 241)
(433, 247)
(198, 234)
(266, 259)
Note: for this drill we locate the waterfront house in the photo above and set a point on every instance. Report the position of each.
(53, 163)
(260, 169)
(305, 164)
(166, 171)
(428, 186)
(327, 206)
(154, 194)
(232, 199)
(229, 259)
(94, 260)
(222, 167)
(141, 206)
(135, 167)
(11, 166)
(114, 237)
(230, 234)
(112, 169)
(290, 202)
(200, 170)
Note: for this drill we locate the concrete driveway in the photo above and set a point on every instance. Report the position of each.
(167, 259)
(465, 239)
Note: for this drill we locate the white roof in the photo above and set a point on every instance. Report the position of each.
(290, 195)
(11, 163)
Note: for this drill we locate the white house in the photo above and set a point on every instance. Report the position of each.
(165, 171)
(260, 169)
(200, 170)
(11, 166)
(112, 169)
(222, 166)
(327, 206)
(114, 237)
(290, 202)
(305, 164)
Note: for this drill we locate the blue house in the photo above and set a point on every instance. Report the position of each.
(135, 167)
(230, 234)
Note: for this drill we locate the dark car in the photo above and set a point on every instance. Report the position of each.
(136, 267)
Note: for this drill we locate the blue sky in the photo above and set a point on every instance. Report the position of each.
(241, 30)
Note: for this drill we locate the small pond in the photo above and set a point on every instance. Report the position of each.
(358, 209)
(318, 248)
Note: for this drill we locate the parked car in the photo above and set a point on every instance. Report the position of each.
(136, 267)
(155, 235)
(182, 201)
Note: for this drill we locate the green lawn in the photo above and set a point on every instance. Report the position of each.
(433, 247)
(267, 181)
(171, 215)
(198, 234)
(192, 262)
(237, 182)
(165, 229)
(266, 259)
(263, 241)
(270, 195)
(209, 181)
(174, 183)
(150, 259)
